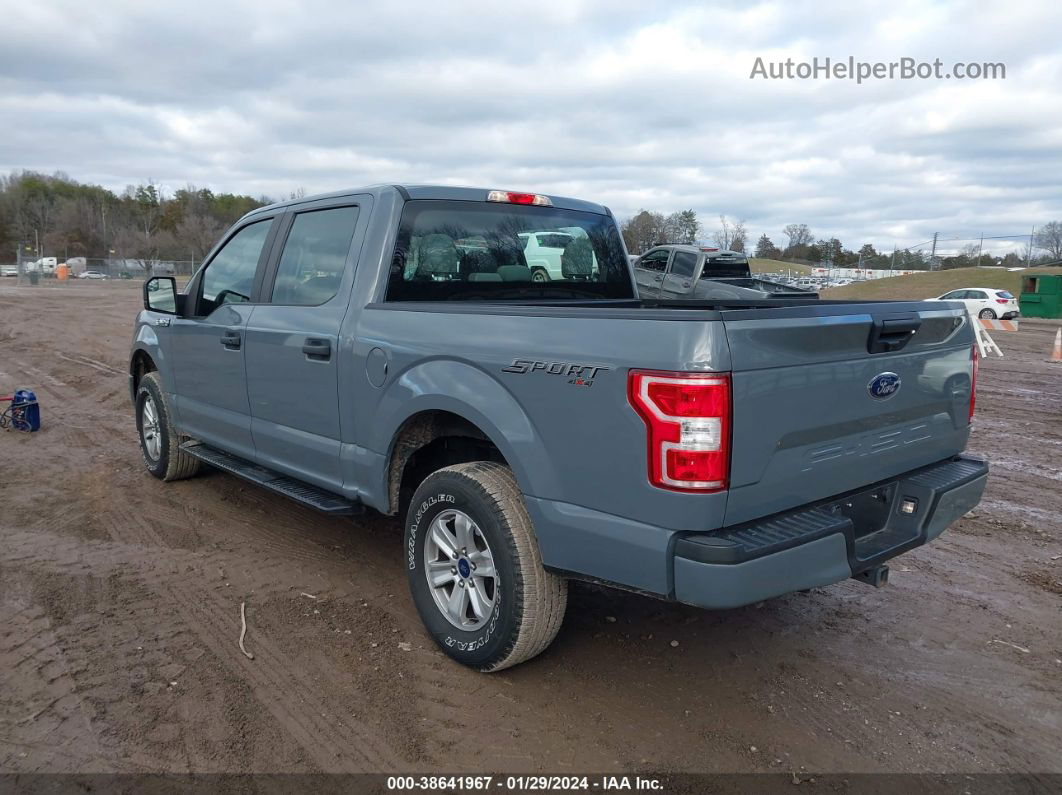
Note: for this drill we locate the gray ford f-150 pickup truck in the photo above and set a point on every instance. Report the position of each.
(389, 347)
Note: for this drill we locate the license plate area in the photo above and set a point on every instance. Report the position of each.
(869, 510)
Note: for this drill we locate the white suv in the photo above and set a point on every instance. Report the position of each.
(543, 251)
(985, 302)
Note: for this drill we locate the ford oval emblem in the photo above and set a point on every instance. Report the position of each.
(884, 385)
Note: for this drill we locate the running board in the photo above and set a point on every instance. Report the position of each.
(312, 496)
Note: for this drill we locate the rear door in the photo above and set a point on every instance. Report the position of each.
(207, 347)
(294, 349)
(811, 419)
(649, 272)
(679, 277)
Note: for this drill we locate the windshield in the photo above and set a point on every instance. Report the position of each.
(477, 251)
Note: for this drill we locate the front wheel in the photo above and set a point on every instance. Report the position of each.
(159, 442)
(986, 313)
(475, 571)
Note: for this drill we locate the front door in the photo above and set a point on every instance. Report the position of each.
(207, 346)
(649, 272)
(293, 345)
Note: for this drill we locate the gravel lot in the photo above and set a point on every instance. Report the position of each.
(120, 602)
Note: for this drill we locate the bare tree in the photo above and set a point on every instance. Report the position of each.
(722, 234)
(197, 234)
(738, 235)
(1049, 238)
(799, 235)
(730, 235)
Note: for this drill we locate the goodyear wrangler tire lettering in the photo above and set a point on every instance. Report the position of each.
(470, 514)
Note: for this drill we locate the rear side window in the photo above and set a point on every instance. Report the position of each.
(1004, 294)
(683, 264)
(460, 250)
(315, 254)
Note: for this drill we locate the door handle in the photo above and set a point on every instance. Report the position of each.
(231, 340)
(658, 278)
(320, 350)
(685, 284)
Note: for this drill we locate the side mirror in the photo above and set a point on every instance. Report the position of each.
(160, 295)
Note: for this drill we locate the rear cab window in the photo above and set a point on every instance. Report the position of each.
(474, 251)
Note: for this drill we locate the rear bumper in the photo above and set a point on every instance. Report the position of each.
(825, 542)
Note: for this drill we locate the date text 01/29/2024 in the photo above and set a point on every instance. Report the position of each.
(530, 783)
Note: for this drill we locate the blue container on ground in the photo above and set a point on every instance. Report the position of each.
(24, 411)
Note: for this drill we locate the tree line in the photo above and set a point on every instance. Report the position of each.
(55, 215)
(646, 229)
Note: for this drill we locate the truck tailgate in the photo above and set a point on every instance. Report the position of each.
(805, 424)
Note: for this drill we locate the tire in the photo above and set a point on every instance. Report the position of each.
(539, 275)
(987, 313)
(527, 603)
(159, 442)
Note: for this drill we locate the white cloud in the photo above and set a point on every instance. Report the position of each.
(631, 104)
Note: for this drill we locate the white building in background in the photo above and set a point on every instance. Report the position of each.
(859, 273)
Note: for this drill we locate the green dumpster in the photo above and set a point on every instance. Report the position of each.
(1041, 296)
(34, 277)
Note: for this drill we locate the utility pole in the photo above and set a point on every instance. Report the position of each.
(933, 253)
(893, 263)
(979, 247)
(1028, 259)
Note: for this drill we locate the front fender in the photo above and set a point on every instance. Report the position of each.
(465, 390)
(146, 340)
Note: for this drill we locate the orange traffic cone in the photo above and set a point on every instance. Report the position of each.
(1056, 354)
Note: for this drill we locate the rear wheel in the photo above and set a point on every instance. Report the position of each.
(539, 275)
(475, 571)
(986, 313)
(159, 442)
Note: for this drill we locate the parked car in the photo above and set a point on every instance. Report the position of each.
(985, 302)
(91, 275)
(528, 432)
(8, 270)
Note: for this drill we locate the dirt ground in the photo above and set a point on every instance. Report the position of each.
(120, 602)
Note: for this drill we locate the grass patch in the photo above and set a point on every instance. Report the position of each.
(934, 283)
(759, 265)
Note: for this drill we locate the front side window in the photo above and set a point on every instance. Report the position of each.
(683, 264)
(461, 250)
(314, 257)
(655, 260)
(230, 275)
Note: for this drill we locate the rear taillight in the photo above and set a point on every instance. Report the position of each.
(687, 416)
(1002, 300)
(974, 358)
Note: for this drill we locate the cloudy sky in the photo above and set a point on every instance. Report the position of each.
(633, 104)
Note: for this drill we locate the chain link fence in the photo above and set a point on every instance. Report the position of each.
(49, 271)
